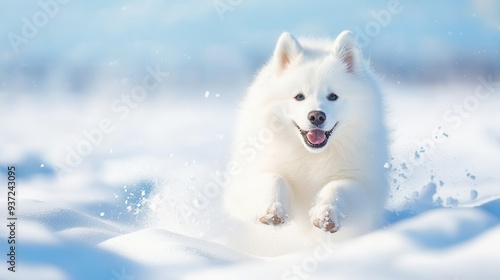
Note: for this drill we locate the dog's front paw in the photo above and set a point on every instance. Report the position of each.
(326, 218)
(275, 215)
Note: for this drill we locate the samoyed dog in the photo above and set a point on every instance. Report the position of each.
(310, 142)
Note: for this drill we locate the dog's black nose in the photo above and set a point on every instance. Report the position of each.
(316, 117)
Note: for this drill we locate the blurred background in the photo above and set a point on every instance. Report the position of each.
(68, 66)
(222, 42)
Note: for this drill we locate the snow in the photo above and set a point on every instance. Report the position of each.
(133, 213)
(140, 194)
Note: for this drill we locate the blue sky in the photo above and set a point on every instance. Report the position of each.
(212, 39)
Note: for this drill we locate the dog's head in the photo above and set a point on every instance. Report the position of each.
(319, 84)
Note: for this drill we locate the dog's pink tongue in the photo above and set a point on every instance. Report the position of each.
(316, 136)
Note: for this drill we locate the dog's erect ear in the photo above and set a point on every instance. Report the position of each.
(347, 49)
(286, 50)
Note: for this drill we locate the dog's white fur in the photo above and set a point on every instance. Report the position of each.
(277, 177)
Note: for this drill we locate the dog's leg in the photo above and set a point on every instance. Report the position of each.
(338, 201)
(274, 204)
(262, 197)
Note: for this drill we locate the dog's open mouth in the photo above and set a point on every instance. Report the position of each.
(316, 138)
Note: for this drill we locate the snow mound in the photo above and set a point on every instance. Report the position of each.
(444, 243)
(162, 247)
(61, 218)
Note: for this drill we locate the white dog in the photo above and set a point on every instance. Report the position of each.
(310, 142)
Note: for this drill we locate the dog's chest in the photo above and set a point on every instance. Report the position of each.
(310, 175)
(304, 172)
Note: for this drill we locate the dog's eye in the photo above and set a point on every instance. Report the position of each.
(300, 97)
(332, 96)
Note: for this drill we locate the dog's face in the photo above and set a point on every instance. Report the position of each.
(318, 89)
(315, 105)
(314, 115)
